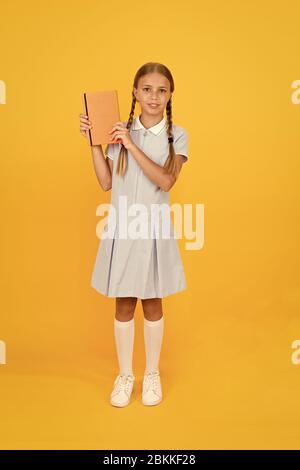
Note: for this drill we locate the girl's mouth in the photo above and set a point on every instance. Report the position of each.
(153, 105)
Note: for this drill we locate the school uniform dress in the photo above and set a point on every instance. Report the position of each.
(148, 266)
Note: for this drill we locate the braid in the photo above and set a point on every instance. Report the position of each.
(170, 164)
(123, 155)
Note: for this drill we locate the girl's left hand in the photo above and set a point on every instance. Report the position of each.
(120, 134)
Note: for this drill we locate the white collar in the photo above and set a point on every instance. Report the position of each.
(156, 129)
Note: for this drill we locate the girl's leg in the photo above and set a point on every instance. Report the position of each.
(153, 332)
(124, 332)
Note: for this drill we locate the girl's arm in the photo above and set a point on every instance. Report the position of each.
(156, 173)
(102, 167)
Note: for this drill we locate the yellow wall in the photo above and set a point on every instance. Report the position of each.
(227, 373)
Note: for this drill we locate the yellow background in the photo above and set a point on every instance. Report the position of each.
(226, 367)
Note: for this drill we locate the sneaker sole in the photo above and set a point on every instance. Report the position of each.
(118, 405)
(153, 403)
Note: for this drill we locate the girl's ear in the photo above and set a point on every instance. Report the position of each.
(135, 92)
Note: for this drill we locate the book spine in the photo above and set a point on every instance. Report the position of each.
(86, 112)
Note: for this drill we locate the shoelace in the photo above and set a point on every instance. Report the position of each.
(123, 383)
(152, 382)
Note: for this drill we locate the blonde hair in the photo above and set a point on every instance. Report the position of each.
(170, 164)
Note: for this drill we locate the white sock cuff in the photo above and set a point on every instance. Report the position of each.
(124, 324)
(153, 323)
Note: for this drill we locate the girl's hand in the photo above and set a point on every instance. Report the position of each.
(85, 124)
(120, 134)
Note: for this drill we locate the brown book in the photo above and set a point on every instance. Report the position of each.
(102, 108)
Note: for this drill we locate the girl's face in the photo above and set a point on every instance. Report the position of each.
(153, 93)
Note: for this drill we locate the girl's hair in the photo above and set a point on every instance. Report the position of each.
(170, 164)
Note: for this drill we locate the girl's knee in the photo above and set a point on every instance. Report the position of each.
(125, 308)
(152, 309)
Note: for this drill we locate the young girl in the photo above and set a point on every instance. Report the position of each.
(143, 164)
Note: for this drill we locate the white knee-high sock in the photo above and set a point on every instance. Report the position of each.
(153, 335)
(124, 339)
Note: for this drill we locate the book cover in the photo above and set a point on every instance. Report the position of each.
(102, 108)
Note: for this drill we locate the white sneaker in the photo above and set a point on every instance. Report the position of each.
(123, 385)
(152, 392)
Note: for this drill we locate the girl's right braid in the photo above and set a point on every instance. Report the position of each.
(123, 155)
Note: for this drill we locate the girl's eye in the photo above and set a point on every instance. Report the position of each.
(164, 91)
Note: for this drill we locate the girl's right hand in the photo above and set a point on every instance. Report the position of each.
(85, 124)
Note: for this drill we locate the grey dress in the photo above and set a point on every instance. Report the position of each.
(141, 267)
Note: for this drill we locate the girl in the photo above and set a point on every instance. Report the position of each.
(143, 163)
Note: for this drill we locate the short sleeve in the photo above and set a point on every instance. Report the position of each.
(180, 143)
(112, 151)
